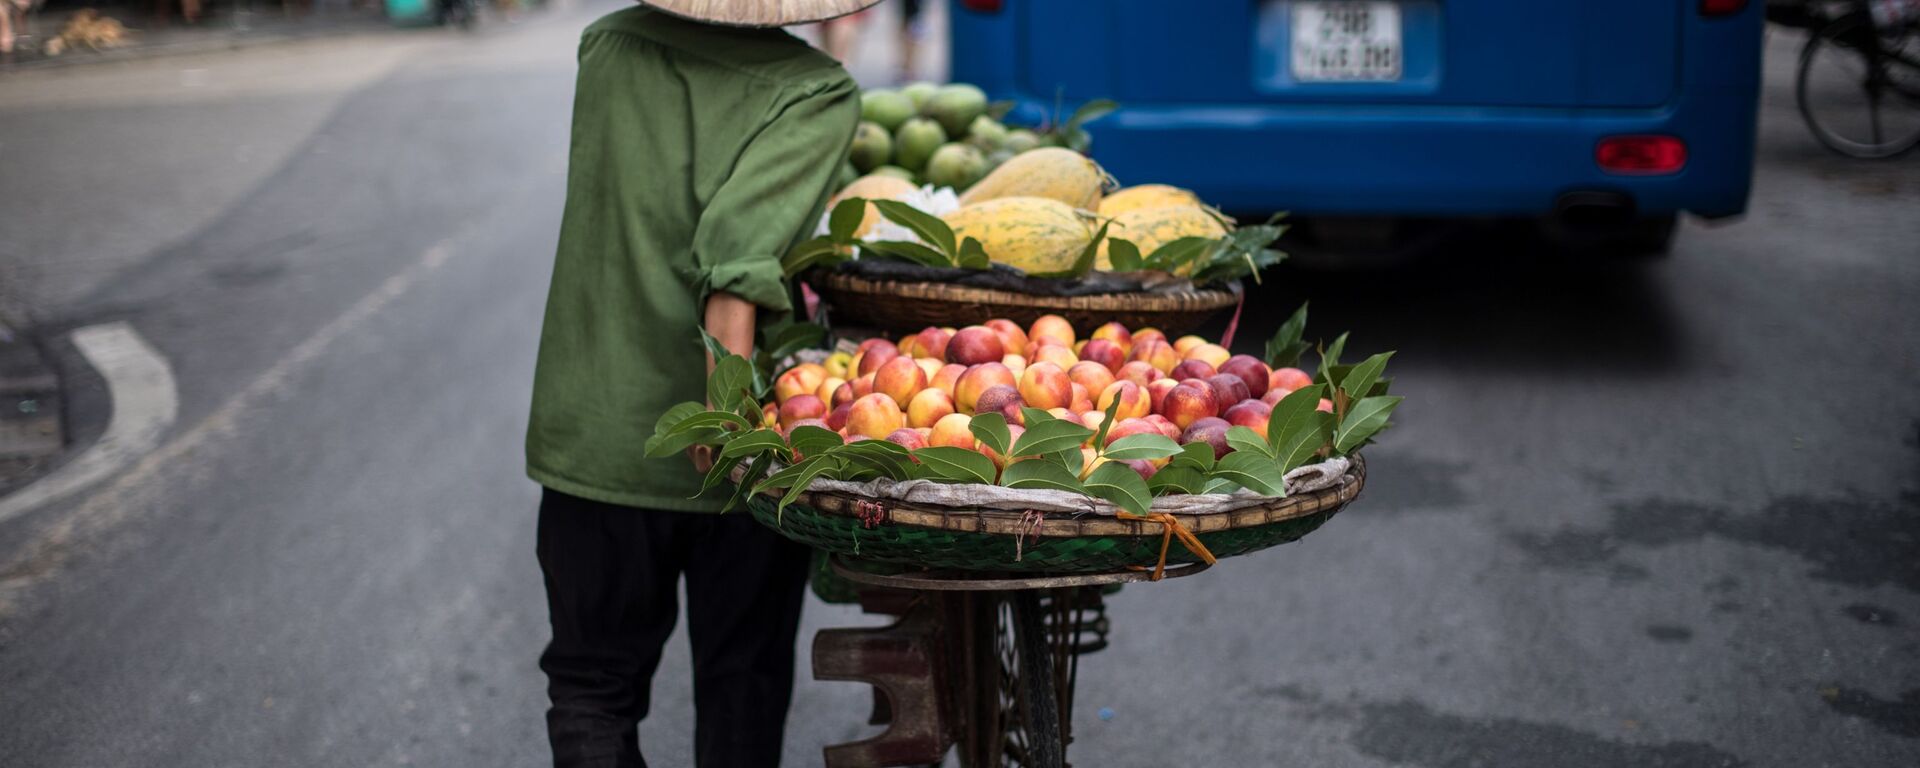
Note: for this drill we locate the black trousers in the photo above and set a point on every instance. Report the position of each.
(611, 574)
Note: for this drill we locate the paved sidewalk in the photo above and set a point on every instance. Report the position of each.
(223, 27)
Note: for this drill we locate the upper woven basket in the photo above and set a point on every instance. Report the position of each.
(905, 306)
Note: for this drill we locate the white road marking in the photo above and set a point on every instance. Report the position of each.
(140, 383)
(135, 490)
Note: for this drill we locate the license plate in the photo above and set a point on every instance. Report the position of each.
(1346, 41)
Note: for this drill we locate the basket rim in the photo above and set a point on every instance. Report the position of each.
(1064, 526)
(1141, 301)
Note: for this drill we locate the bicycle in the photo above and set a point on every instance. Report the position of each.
(1858, 83)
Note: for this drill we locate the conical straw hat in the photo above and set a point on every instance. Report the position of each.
(760, 13)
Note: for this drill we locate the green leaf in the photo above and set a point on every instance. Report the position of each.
(928, 226)
(1253, 472)
(1181, 479)
(1245, 440)
(812, 468)
(677, 414)
(1090, 111)
(1220, 485)
(1365, 419)
(1031, 416)
(812, 253)
(1121, 485)
(1141, 447)
(1291, 411)
(1298, 446)
(845, 219)
(808, 440)
(792, 473)
(1181, 252)
(1329, 358)
(889, 459)
(909, 252)
(731, 383)
(991, 430)
(744, 490)
(1070, 458)
(1106, 424)
(1084, 263)
(716, 475)
(998, 110)
(1048, 436)
(782, 340)
(1358, 381)
(956, 464)
(662, 446)
(1288, 343)
(973, 255)
(1194, 455)
(709, 420)
(1124, 255)
(1039, 473)
(751, 443)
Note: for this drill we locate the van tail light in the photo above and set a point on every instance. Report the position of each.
(1722, 7)
(982, 6)
(1640, 155)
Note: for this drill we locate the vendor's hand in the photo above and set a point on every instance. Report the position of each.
(702, 456)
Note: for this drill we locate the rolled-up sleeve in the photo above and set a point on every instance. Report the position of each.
(774, 194)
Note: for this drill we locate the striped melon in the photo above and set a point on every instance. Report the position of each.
(873, 187)
(1146, 196)
(1036, 234)
(1050, 172)
(1150, 228)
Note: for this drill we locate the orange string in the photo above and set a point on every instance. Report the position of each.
(1170, 527)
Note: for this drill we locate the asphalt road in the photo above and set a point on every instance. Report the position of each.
(1661, 515)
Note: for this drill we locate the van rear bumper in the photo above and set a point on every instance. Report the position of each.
(1428, 161)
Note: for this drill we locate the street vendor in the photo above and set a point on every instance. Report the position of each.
(705, 141)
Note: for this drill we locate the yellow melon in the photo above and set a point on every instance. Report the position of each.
(1036, 234)
(1051, 172)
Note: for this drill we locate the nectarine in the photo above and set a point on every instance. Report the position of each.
(928, 407)
(1189, 402)
(1045, 386)
(974, 345)
(1133, 400)
(978, 379)
(875, 415)
(1250, 370)
(1012, 338)
(801, 407)
(1116, 333)
(1054, 327)
(1212, 431)
(1214, 354)
(900, 378)
(1094, 376)
(1288, 379)
(954, 430)
(1251, 414)
(996, 398)
(1140, 372)
(1105, 353)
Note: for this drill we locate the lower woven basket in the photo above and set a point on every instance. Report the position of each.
(1000, 541)
(896, 305)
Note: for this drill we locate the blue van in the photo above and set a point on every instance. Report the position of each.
(1601, 117)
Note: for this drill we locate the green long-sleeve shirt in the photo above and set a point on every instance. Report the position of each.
(700, 154)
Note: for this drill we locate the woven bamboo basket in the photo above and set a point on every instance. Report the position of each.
(1002, 541)
(902, 306)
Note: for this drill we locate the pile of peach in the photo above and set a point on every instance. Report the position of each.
(925, 389)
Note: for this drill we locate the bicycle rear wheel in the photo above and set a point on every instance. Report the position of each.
(1859, 89)
(1014, 714)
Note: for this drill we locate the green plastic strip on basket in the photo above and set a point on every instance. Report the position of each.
(967, 550)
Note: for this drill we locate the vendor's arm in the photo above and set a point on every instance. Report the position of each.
(770, 200)
(730, 321)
